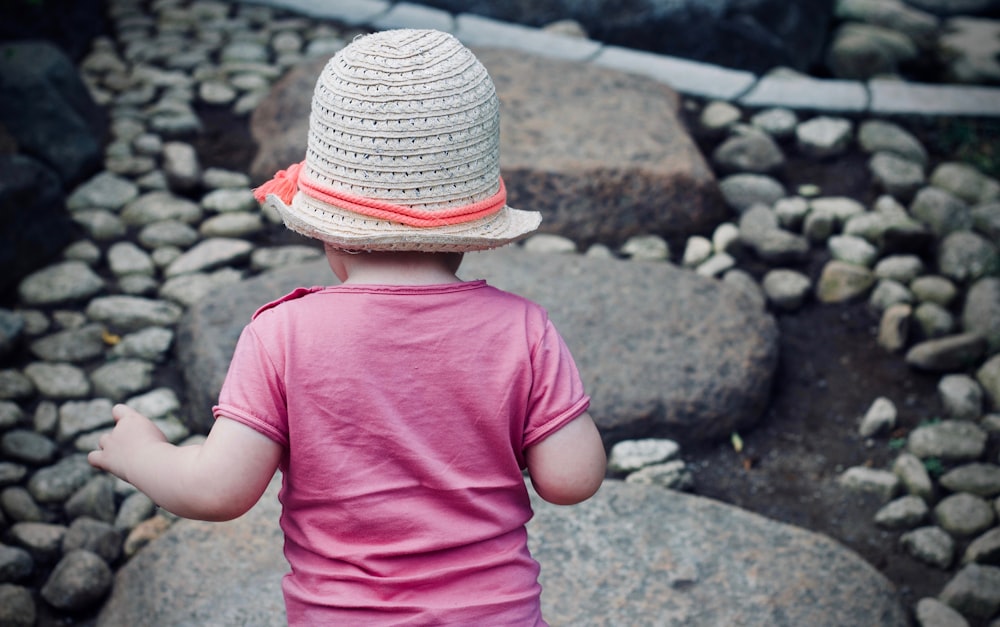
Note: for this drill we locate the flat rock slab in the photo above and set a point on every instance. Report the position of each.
(663, 351)
(632, 555)
(601, 153)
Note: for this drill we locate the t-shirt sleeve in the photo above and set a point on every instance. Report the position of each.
(557, 396)
(252, 393)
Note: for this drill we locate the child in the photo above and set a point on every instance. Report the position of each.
(402, 405)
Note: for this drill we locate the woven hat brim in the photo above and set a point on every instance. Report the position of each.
(351, 231)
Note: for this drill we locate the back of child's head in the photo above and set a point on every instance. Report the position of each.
(403, 152)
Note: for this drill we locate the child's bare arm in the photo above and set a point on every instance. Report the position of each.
(568, 466)
(218, 480)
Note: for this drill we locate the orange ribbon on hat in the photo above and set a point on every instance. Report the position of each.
(287, 182)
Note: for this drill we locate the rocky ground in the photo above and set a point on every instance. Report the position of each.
(835, 358)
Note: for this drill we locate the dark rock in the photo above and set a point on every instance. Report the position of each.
(34, 225)
(611, 161)
(755, 35)
(78, 582)
(662, 351)
(632, 555)
(62, 127)
(69, 24)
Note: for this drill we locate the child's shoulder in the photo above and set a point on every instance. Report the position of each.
(291, 296)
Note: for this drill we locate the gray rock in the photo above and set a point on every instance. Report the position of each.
(986, 220)
(104, 191)
(964, 514)
(985, 549)
(896, 175)
(988, 376)
(218, 178)
(853, 250)
(56, 483)
(931, 545)
(883, 484)
(27, 446)
(181, 166)
(979, 479)
(948, 440)
(646, 248)
(786, 290)
(78, 582)
(961, 397)
(631, 455)
(824, 136)
(11, 473)
(15, 564)
(17, 607)
(96, 499)
(934, 289)
(190, 289)
(20, 506)
(966, 182)
(941, 211)
(947, 354)
(979, 312)
(547, 243)
(744, 284)
(705, 541)
(778, 122)
(901, 268)
(934, 320)
(72, 345)
(742, 191)
(933, 613)
(62, 283)
(125, 258)
(77, 417)
(894, 327)
(642, 396)
(136, 508)
(168, 233)
(11, 327)
(965, 256)
(125, 314)
(121, 378)
(95, 536)
(210, 254)
(903, 513)
(262, 259)
(58, 381)
(974, 591)
(42, 540)
(159, 206)
(759, 231)
(672, 475)
(156, 404)
(969, 46)
(841, 282)
(718, 116)
(913, 475)
(753, 152)
(230, 201)
(10, 414)
(880, 418)
(100, 224)
(697, 250)
(863, 51)
(149, 344)
(880, 136)
(716, 265)
(888, 293)
(236, 224)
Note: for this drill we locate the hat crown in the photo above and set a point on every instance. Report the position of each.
(409, 117)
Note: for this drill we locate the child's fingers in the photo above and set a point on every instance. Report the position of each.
(121, 411)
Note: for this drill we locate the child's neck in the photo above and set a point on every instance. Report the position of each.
(400, 269)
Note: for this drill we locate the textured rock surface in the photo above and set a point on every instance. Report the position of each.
(672, 562)
(662, 351)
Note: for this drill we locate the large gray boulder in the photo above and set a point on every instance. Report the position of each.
(663, 351)
(633, 555)
(754, 35)
(46, 108)
(610, 160)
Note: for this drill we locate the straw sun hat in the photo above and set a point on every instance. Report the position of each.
(403, 152)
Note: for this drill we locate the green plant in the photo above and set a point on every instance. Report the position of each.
(896, 444)
(970, 140)
(934, 466)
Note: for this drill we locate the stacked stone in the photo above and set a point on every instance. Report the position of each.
(888, 38)
(97, 327)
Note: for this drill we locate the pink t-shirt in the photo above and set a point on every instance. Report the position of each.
(405, 412)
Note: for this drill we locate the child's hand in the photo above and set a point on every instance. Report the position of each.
(125, 443)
